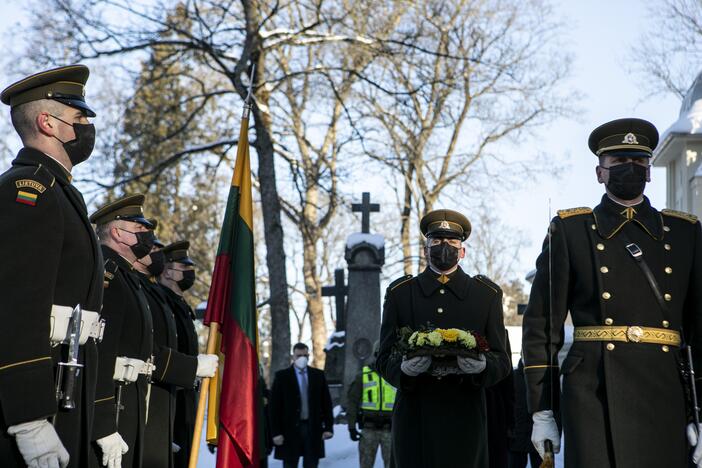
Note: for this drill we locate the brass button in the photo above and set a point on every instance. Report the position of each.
(665, 348)
(609, 321)
(668, 270)
(666, 324)
(600, 246)
(594, 227)
(667, 297)
(606, 295)
(440, 310)
(442, 291)
(667, 247)
(604, 269)
(610, 346)
(666, 228)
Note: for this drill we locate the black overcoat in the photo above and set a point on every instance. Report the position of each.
(186, 397)
(128, 333)
(285, 409)
(441, 423)
(49, 256)
(622, 403)
(173, 370)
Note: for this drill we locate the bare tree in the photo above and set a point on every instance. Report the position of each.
(669, 60)
(463, 77)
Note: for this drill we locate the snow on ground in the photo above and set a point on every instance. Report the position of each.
(342, 452)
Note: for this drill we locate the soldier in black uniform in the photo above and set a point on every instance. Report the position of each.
(126, 349)
(441, 422)
(630, 277)
(177, 277)
(51, 263)
(173, 369)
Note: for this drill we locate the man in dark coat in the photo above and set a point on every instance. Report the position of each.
(126, 349)
(177, 277)
(50, 263)
(441, 422)
(630, 277)
(173, 369)
(500, 415)
(300, 424)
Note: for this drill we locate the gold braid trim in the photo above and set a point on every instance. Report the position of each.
(563, 214)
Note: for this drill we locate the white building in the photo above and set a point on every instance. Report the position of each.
(680, 152)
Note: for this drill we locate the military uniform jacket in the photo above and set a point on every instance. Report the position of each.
(186, 398)
(128, 333)
(173, 369)
(50, 256)
(441, 423)
(622, 403)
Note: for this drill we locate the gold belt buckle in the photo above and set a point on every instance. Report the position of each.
(634, 334)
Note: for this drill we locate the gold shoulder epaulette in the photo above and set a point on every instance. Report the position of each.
(563, 214)
(399, 281)
(680, 214)
(489, 283)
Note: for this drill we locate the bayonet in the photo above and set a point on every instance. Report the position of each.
(72, 367)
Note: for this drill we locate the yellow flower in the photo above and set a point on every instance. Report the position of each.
(434, 338)
(450, 335)
(413, 339)
(421, 338)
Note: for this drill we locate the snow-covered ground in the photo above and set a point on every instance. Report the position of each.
(342, 452)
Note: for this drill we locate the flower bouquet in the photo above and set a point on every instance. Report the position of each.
(444, 345)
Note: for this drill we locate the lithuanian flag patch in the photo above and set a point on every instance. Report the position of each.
(26, 198)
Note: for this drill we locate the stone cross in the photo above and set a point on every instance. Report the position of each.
(338, 291)
(366, 208)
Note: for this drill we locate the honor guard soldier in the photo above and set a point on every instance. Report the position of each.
(175, 370)
(630, 277)
(178, 276)
(126, 349)
(440, 421)
(51, 275)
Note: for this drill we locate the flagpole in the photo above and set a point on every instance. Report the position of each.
(214, 330)
(204, 386)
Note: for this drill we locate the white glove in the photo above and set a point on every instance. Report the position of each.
(545, 428)
(113, 447)
(207, 365)
(472, 366)
(416, 365)
(278, 440)
(175, 448)
(39, 444)
(693, 437)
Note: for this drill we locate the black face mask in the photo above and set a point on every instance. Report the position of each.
(187, 281)
(144, 244)
(627, 181)
(158, 261)
(443, 256)
(79, 150)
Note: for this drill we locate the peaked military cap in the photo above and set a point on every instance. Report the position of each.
(65, 85)
(177, 252)
(633, 135)
(445, 223)
(157, 241)
(127, 208)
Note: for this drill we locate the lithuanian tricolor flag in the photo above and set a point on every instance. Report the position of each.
(231, 304)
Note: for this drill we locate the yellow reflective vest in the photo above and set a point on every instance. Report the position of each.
(378, 395)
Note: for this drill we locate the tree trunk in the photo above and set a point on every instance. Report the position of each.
(405, 230)
(313, 288)
(273, 229)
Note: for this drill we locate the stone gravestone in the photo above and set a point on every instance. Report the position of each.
(334, 362)
(365, 256)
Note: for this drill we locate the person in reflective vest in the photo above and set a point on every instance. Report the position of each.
(371, 400)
